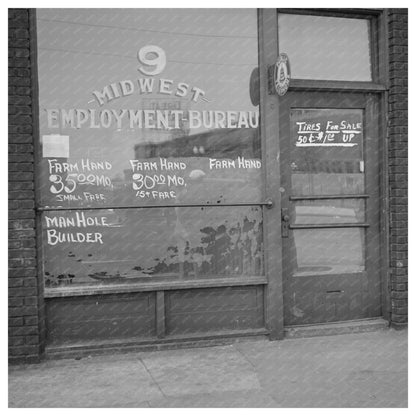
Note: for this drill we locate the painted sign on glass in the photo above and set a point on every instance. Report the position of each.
(148, 108)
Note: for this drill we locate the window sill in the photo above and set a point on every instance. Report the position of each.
(153, 286)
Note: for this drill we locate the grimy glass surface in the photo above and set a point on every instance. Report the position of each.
(328, 251)
(329, 211)
(98, 247)
(326, 151)
(147, 107)
(326, 48)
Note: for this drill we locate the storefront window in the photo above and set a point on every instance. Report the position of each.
(326, 48)
(130, 245)
(148, 108)
(142, 107)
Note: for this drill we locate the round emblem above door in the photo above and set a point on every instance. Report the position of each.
(281, 74)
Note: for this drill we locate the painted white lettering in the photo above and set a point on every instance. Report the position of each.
(149, 122)
(82, 117)
(68, 118)
(231, 119)
(103, 96)
(105, 119)
(162, 118)
(164, 86)
(220, 119)
(177, 114)
(52, 115)
(242, 120)
(182, 89)
(197, 93)
(254, 119)
(119, 117)
(135, 118)
(208, 119)
(194, 119)
(115, 90)
(93, 123)
(127, 87)
(146, 85)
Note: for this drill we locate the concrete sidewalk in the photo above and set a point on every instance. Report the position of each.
(356, 370)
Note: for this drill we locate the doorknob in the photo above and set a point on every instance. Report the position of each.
(268, 203)
(285, 214)
(285, 222)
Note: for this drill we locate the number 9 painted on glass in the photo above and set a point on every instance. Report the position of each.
(158, 61)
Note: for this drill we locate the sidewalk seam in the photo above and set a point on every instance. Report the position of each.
(246, 358)
(151, 376)
(256, 373)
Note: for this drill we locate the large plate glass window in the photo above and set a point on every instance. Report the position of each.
(142, 112)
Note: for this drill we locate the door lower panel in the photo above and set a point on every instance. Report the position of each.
(331, 298)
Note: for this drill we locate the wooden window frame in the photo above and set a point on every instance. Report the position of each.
(377, 51)
(272, 280)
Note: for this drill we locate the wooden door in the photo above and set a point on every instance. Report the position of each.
(330, 160)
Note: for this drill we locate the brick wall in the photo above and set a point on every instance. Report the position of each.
(24, 299)
(397, 155)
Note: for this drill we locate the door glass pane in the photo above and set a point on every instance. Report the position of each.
(330, 211)
(138, 245)
(326, 151)
(328, 251)
(326, 48)
(147, 107)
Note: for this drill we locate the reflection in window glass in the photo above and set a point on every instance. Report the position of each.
(329, 251)
(147, 106)
(330, 211)
(134, 245)
(326, 48)
(327, 151)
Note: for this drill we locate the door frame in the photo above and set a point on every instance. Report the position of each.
(269, 110)
(269, 128)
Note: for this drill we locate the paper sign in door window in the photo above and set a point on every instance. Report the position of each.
(55, 145)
